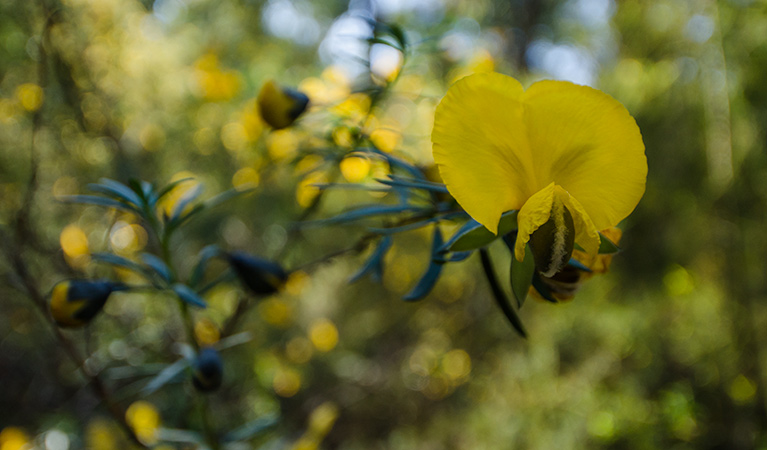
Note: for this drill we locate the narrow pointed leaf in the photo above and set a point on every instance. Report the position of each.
(413, 183)
(401, 228)
(430, 277)
(522, 276)
(578, 265)
(116, 190)
(499, 296)
(188, 197)
(170, 186)
(166, 375)
(368, 211)
(158, 265)
(454, 256)
(472, 235)
(374, 264)
(119, 261)
(188, 295)
(606, 245)
(100, 201)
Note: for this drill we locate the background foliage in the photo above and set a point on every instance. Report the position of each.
(667, 351)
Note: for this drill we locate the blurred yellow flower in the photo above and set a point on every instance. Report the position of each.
(214, 83)
(280, 106)
(566, 156)
(144, 419)
(12, 438)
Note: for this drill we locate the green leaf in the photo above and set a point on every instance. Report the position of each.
(401, 228)
(607, 246)
(188, 295)
(472, 235)
(169, 187)
(430, 277)
(158, 265)
(522, 275)
(374, 264)
(116, 190)
(413, 184)
(99, 201)
(166, 375)
(142, 188)
(188, 197)
(367, 211)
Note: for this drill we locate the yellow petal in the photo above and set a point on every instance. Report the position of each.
(535, 212)
(586, 142)
(280, 107)
(481, 148)
(586, 234)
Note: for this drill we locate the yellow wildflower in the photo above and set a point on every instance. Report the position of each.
(570, 158)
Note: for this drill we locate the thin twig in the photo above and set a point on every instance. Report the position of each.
(28, 281)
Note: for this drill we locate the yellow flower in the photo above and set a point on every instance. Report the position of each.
(570, 158)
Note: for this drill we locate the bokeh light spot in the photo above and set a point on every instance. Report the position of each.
(323, 334)
(355, 168)
(144, 419)
(30, 96)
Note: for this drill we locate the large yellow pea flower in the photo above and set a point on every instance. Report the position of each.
(567, 156)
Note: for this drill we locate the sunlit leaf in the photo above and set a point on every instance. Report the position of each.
(413, 184)
(472, 235)
(186, 199)
(100, 201)
(117, 190)
(522, 275)
(606, 245)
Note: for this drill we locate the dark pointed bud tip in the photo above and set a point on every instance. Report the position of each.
(208, 370)
(260, 276)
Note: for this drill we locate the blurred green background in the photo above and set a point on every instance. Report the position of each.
(665, 351)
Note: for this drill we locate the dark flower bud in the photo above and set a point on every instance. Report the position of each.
(76, 302)
(208, 370)
(260, 276)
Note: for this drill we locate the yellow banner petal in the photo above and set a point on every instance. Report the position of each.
(535, 212)
(587, 143)
(481, 148)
